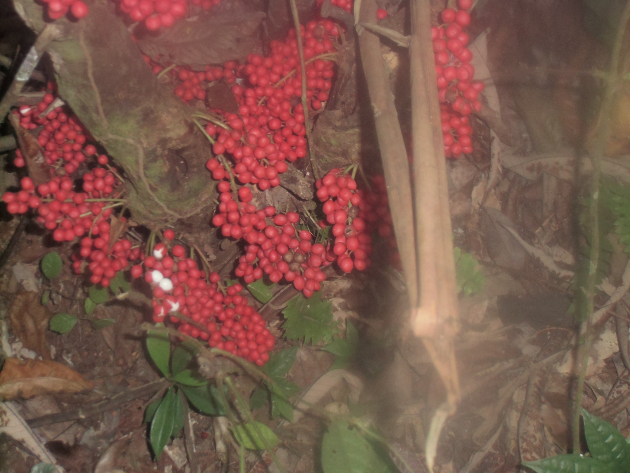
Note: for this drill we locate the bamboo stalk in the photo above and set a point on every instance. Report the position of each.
(435, 319)
(392, 147)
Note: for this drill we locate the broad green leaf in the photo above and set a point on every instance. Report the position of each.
(308, 319)
(280, 363)
(149, 412)
(182, 356)
(159, 348)
(162, 423)
(205, 399)
(180, 415)
(230, 282)
(605, 442)
(255, 436)
(44, 468)
(62, 323)
(52, 265)
(259, 398)
(260, 291)
(98, 324)
(45, 299)
(280, 406)
(89, 306)
(345, 349)
(345, 450)
(469, 278)
(98, 295)
(188, 378)
(569, 464)
(119, 283)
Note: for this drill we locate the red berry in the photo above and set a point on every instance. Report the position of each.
(79, 9)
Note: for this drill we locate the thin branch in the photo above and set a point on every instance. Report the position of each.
(584, 340)
(47, 36)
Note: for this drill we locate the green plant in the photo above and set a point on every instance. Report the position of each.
(609, 452)
(344, 349)
(277, 391)
(469, 277)
(310, 320)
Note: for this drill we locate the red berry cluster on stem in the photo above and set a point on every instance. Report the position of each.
(269, 129)
(179, 287)
(275, 246)
(352, 245)
(457, 91)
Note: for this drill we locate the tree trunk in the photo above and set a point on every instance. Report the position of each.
(143, 126)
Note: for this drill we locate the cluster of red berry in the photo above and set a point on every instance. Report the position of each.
(179, 287)
(352, 245)
(158, 14)
(374, 210)
(155, 13)
(269, 130)
(275, 245)
(62, 137)
(457, 91)
(191, 84)
(105, 259)
(58, 8)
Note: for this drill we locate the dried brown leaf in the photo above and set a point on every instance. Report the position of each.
(206, 40)
(29, 322)
(503, 248)
(30, 378)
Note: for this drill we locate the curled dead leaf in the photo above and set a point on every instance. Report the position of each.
(26, 379)
(29, 322)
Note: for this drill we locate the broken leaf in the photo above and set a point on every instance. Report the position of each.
(29, 322)
(503, 248)
(26, 379)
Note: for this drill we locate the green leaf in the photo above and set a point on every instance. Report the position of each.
(162, 424)
(52, 265)
(89, 305)
(98, 324)
(280, 363)
(605, 442)
(44, 468)
(98, 295)
(45, 299)
(344, 350)
(180, 415)
(308, 319)
(62, 323)
(119, 283)
(260, 291)
(469, 278)
(159, 348)
(188, 378)
(205, 399)
(568, 464)
(280, 392)
(260, 397)
(255, 436)
(230, 282)
(182, 356)
(345, 450)
(149, 412)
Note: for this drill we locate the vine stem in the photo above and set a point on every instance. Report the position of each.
(298, 34)
(250, 418)
(585, 335)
